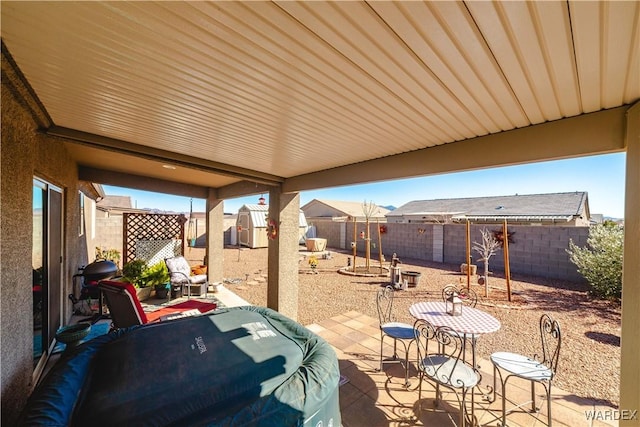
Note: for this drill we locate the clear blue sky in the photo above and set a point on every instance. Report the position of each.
(601, 176)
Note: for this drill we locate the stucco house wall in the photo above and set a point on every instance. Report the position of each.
(25, 154)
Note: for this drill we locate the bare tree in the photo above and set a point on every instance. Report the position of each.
(368, 209)
(487, 248)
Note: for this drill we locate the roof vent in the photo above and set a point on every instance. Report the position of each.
(499, 208)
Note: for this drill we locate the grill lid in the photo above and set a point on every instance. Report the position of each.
(100, 269)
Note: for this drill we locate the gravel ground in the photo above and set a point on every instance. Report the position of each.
(590, 355)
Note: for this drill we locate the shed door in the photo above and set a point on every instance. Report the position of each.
(244, 222)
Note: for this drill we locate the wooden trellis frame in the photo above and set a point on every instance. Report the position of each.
(142, 226)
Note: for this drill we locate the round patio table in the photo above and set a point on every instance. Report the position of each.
(471, 322)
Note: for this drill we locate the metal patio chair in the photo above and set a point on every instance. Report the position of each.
(537, 369)
(441, 361)
(469, 298)
(399, 332)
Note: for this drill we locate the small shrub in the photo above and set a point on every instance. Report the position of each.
(134, 271)
(157, 274)
(600, 262)
(108, 254)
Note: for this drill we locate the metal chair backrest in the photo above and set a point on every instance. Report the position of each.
(384, 301)
(468, 296)
(439, 344)
(551, 338)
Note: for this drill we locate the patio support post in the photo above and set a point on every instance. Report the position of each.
(630, 337)
(282, 290)
(215, 237)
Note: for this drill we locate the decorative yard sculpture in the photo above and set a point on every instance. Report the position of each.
(369, 209)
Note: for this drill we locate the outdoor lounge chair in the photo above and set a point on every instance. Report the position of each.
(180, 273)
(123, 303)
(126, 310)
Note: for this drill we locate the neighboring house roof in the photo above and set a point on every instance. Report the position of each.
(597, 218)
(259, 215)
(91, 190)
(117, 202)
(118, 205)
(337, 208)
(526, 207)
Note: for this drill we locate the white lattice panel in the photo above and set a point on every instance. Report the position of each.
(154, 251)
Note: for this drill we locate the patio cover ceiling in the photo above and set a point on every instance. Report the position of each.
(236, 95)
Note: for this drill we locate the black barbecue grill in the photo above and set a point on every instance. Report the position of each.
(91, 274)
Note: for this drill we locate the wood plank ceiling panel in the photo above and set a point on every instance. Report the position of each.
(355, 31)
(620, 51)
(533, 61)
(289, 88)
(607, 45)
(587, 33)
(553, 30)
(315, 86)
(362, 96)
(428, 29)
(502, 39)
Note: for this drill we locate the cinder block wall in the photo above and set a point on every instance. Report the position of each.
(331, 231)
(109, 234)
(541, 251)
(536, 250)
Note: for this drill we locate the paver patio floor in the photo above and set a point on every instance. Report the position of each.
(374, 398)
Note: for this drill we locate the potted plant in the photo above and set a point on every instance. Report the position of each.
(158, 276)
(134, 273)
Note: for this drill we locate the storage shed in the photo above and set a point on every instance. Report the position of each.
(252, 226)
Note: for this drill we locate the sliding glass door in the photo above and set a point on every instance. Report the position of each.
(47, 266)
